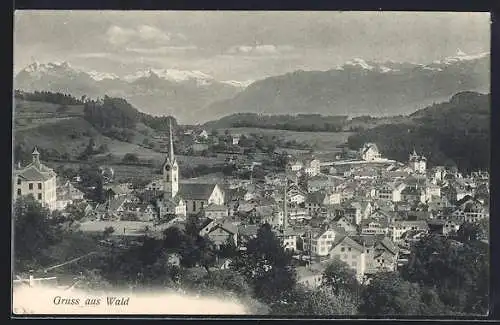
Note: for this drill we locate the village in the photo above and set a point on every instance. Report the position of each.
(360, 207)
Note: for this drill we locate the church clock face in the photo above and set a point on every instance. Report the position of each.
(167, 168)
(175, 168)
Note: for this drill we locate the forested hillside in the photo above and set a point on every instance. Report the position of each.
(454, 133)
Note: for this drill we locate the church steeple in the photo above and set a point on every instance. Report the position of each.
(170, 170)
(171, 152)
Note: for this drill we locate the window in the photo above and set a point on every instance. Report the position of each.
(39, 196)
(367, 250)
(18, 181)
(194, 205)
(202, 204)
(349, 249)
(39, 186)
(18, 191)
(342, 249)
(31, 186)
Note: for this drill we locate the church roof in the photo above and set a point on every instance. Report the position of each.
(193, 191)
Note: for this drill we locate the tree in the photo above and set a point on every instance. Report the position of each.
(108, 231)
(388, 294)
(318, 301)
(471, 231)
(34, 232)
(338, 276)
(266, 266)
(458, 272)
(130, 158)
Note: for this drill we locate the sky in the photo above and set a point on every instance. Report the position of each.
(239, 45)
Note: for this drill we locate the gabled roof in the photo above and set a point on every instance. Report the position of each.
(248, 230)
(193, 191)
(316, 197)
(389, 245)
(346, 240)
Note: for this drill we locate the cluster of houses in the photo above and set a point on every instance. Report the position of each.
(365, 212)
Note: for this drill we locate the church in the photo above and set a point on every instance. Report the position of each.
(38, 180)
(189, 198)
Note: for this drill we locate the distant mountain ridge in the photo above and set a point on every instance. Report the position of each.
(358, 87)
(154, 91)
(361, 87)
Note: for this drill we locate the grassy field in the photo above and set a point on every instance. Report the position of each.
(317, 140)
(26, 108)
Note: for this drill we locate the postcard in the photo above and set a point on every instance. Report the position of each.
(265, 163)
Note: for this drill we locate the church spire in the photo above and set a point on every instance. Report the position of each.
(36, 157)
(171, 153)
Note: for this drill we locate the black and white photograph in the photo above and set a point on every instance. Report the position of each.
(331, 164)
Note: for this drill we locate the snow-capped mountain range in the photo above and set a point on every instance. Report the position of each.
(357, 86)
(361, 87)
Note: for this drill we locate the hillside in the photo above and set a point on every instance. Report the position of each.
(454, 133)
(301, 122)
(361, 88)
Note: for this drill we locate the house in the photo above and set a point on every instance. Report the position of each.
(201, 134)
(155, 185)
(351, 252)
(38, 180)
(295, 166)
(369, 152)
(221, 233)
(321, 240)
(390, 191)
(176, 206)
(317, 200)
(413, 194)
(114, 207)
(290, 239)
(437, 174)
(70, 190)
(347, 226)
(398, 228)
(470, 210)
(388, 216)
(374, 226)
(312, 167)
(138, 211)
(298, 214)
(417, 163)
(296, 195)
(383, 256)
(214, 211)
(235, 139)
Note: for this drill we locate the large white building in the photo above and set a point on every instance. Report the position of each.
(38, 180)
(369, 152)
(417, 163)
